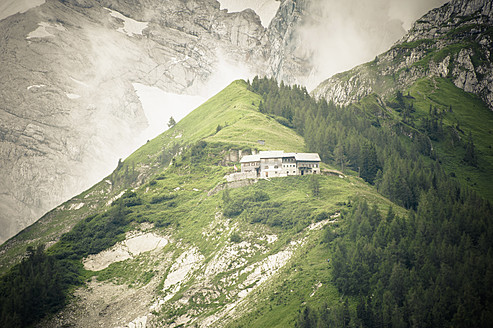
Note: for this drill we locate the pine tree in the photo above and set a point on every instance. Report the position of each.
(171, 122)
(470, 156)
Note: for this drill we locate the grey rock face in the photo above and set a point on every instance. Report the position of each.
(287, 60)
(68, 106)
(453, 41)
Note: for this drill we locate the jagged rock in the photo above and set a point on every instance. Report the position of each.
(288, 60)
(69, 109)
(453, 41)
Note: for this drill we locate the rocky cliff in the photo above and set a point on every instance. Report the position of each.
(69, 109)
(453, 41)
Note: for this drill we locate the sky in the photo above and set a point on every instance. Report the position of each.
(336, 36)
(341, 34)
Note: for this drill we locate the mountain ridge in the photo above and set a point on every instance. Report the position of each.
(174, 202)
(452, 41)
(70, 107)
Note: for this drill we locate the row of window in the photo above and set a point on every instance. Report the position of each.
(309, 165)
(285, 165)
(252, 164)
(276, 172)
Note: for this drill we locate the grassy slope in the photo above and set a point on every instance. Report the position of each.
(232, 109)
(468, 111)
(193, 211)
(473, 116)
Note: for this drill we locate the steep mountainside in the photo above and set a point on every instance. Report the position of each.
(453, 42)
(165, 240)
(191, 249)
(69, 106)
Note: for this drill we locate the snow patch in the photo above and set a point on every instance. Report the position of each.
(127, 249)
(36, 86)
(80, 82)
(41, 31)
(72, 96)
(145, 243)
(266, 9)
(130, 27)
(12, 7)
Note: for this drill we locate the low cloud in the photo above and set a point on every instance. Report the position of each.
(338, 35)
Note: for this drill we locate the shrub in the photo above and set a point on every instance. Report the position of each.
(235, 238)
(321, 216)
(162, 198)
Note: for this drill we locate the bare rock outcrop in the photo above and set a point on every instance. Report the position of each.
(453, 41)
(69, 109)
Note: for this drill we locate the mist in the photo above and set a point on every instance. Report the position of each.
(11, 7)
(265, 9)
(338, 35)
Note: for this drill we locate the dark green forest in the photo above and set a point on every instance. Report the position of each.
(433, 268)
(41, 284)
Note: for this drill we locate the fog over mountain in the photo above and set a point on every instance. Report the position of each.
(85, 82)
(338, 35)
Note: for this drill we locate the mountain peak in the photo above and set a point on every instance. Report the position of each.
(452, 41)
(451, 15)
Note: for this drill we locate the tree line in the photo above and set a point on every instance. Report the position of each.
(433, 268)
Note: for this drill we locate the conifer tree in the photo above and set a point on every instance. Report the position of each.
(171, 122)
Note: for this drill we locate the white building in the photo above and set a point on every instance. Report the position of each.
(268, 164)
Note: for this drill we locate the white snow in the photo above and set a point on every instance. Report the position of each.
(41, 31)
(80, 82)
(266, 9)
(130, 27)
(72, 95)
(35, 86)
(145, 243)
(11, 7)
(159, 106)
(127, 249)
